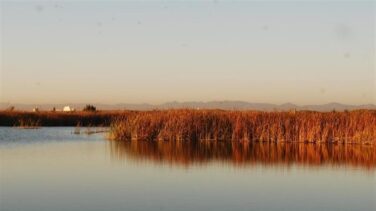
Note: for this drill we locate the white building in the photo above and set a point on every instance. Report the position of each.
(68, 109)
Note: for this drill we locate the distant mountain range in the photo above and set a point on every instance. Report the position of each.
(226, 105)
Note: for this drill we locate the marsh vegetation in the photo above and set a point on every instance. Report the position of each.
(217, 125)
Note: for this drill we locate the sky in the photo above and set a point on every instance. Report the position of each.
(307, 52)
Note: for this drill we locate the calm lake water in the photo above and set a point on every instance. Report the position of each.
(53, 169)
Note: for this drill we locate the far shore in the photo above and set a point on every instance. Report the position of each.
(27, 119)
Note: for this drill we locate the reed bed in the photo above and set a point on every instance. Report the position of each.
(355, 127)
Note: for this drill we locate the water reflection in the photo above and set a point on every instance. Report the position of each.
(244, 153)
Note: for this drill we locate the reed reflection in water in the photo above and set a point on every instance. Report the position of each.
(245, 153)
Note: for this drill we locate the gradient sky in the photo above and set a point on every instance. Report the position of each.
(311, 52)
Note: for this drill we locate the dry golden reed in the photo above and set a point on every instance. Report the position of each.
(218, 125)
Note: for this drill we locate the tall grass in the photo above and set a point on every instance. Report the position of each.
(28, 123)
(218, 125)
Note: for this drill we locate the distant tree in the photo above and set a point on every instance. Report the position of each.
(10, 108)
(90, 108)
(53, 109)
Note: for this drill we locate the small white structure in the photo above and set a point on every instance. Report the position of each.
(68, 109)
(36, 109)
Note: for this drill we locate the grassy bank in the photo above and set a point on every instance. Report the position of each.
(217, 125)
(35, 119)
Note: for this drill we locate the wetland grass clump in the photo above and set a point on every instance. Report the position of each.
(256, 126)
(28, 123)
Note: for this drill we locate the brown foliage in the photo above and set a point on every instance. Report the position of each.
(304, 126)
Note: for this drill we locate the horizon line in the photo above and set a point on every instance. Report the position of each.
(193, 101)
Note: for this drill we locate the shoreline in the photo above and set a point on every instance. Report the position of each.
(58, 119)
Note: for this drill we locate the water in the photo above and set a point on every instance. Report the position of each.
(54, 169)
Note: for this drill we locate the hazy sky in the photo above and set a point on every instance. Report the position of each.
(310, 52)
